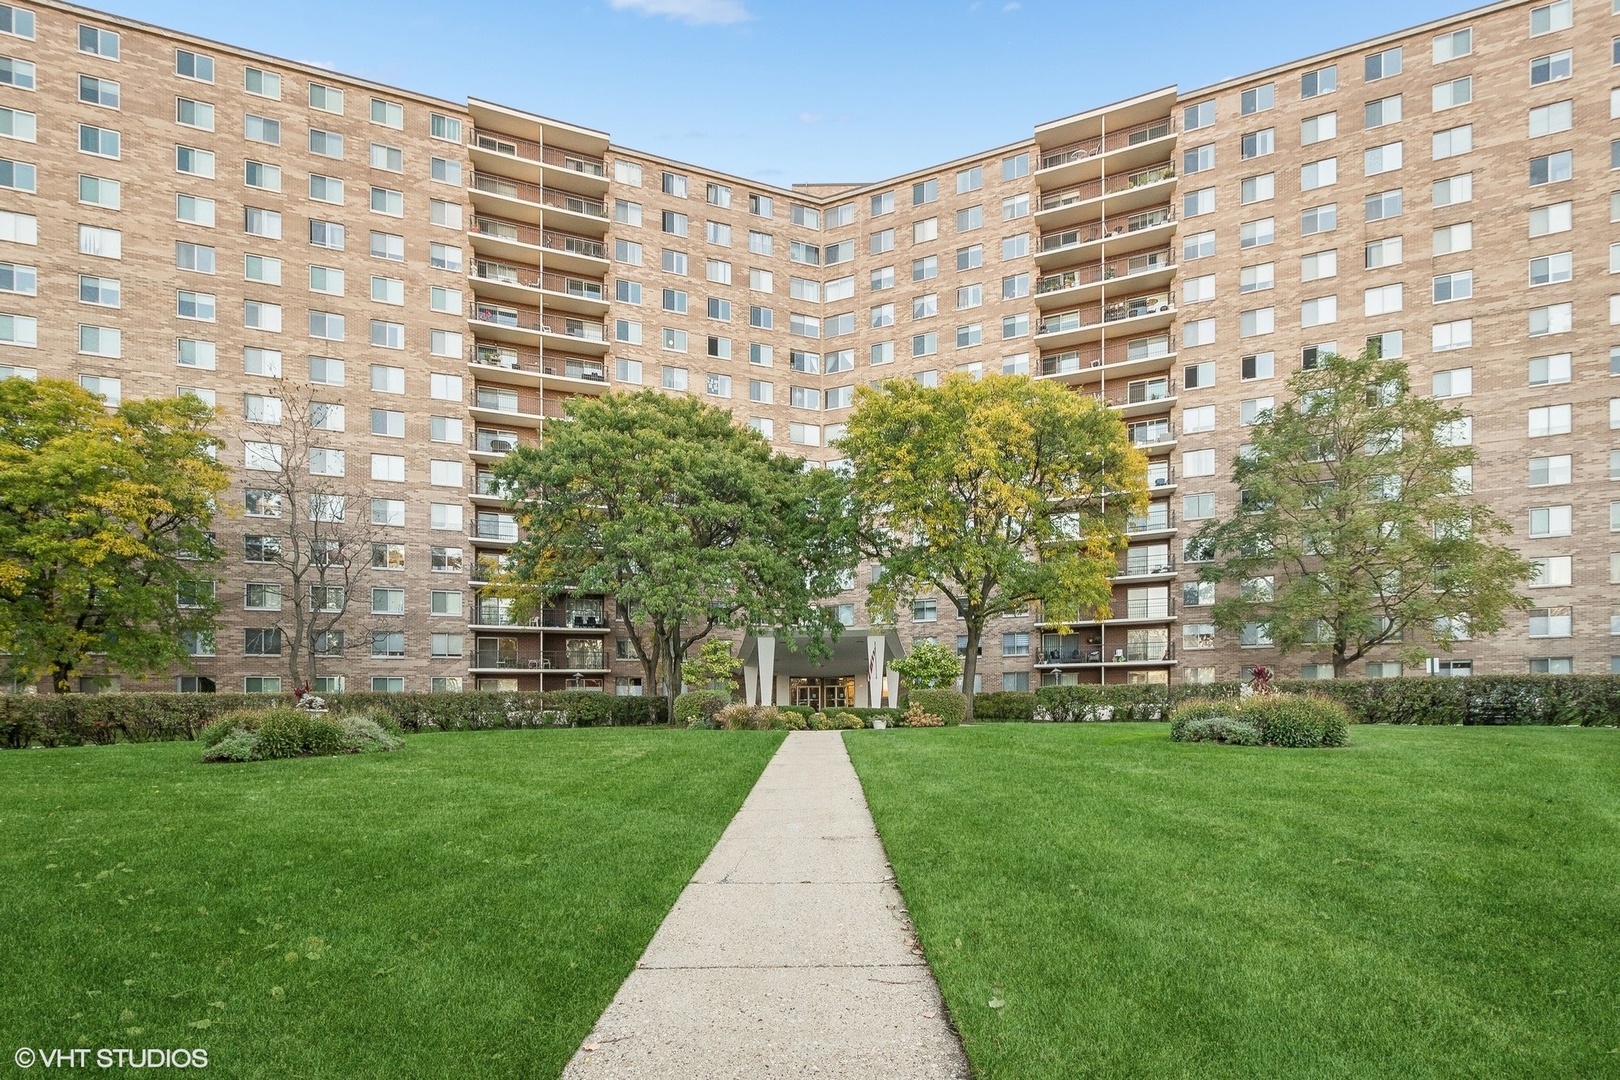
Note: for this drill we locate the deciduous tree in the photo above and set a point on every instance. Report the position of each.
(105, 548)
(999, 493)
(1355, 529)
(690, 522)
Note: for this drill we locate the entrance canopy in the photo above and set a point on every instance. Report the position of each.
(860, 653)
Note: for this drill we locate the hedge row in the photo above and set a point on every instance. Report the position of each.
(83, 719)
(1587, 700)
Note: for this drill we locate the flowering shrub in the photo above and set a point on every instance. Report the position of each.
(283, 732)
(917, 716)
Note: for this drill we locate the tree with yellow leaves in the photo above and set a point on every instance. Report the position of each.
(1000, 493)
(104, 544)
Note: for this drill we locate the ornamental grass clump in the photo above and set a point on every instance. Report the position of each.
(1288, 720)
(282, 732)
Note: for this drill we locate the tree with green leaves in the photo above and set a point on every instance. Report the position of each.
(929, 666)
(105, 548)
(1000, 493)
(1354, 529)
(690, 522)
(714, 664)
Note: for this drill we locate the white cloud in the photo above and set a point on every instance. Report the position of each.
(695, 12)
(1014, 6)
(811, 117)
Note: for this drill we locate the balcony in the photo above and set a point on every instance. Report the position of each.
(1115, 360)
(1131, 232)
(1121, 193)
(583, 375)
(573, 170)
(495, 528)
(504, 154)
(505, 240)
(575, 659)
(1119, 151)
(571, 208)
(508, 324)
(1093, 654)
(1146, 569)
(494, 405)
(504, 365)
(584, 617)
(587, 334)
(1158, 520)
(1142, 397)
(486, 490)
(505, 282)
(581, 254)
(502, 196)
(564, 292)
(491, 444)
(1086, 323)
(1138, 271)
(1151, 435)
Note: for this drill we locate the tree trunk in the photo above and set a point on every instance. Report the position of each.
(672, 687)
(1341, 666)
(60, 682)
(970, 665)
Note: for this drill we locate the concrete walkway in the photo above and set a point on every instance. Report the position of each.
(789, 954)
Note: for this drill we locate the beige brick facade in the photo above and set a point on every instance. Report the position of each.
(495, 262)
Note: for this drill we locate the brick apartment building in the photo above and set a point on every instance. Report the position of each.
(440, 277)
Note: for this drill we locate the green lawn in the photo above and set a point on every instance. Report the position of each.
(466, 906)
(1428, 902)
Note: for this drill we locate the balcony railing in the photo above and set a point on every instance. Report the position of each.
(574, 161)
(584, 330)
(573, 245)
(1152, 522)
(1123, 268)
(501, 229)
(511, 189)
(1158, 607)
(515, 318)
(505, 274)
(1071, 238)
(1151, 434)
(1111, 185)
(1079, 151)
(1091, 314)
(1075, 360)
(575, 367)
(1140, 393)
(507, 145)
(1094, 653)
(485, 529)
(572, 286)
(1158, 564)
(504, 357)
(582, 618)
(488, 484)
(1160, 476)
(495, 442)
(575, 659)
(576, 204)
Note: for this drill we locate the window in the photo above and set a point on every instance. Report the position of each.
(1257, 233)
(1457, 382)
(1453, 238)
(1318, 82)
(387, 246)
(1551, 269)
(1317, 174)
(1319, 311)
(1453, 141)
(1257, 189)
(1198, 116)
(16, 21)
(111, 391)
(1552, 168)
(1550, 370)
(1201, 418)
(674, 184)
(103, 43)
(1550, 420)
(1381, 65)
(970, 180)
(1454, 286)
(1257, 143)
(1014, 208)
(102, 142)
(1551, 521)
(1550, 471)
(1552, 319)
(1257, 99)
(1259, 366)
(1319, 219)
(1449, 95)
(1551, 571)
(21, 176)
(1553, 68)
(1551, 119)
(1551, 622)
(1453, 45)
(100, 341)
(265, 223)
(1453, 335)
(261, 129)
(1257, 321)
(1382, 159)
(1197, 332)
(1198, 159)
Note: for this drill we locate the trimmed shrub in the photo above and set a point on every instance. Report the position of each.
(794, 721)
(1004, 705)
(1297, 720)
(1221, 729)
(697, 708)
(949, 705)
(638, 711)
(837, 720)
(581, 708)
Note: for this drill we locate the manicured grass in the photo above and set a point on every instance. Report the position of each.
(466, 906)
(1428, 902)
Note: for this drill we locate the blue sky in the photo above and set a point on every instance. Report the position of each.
(806, 91)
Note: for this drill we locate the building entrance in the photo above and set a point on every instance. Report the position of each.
(823, 694)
